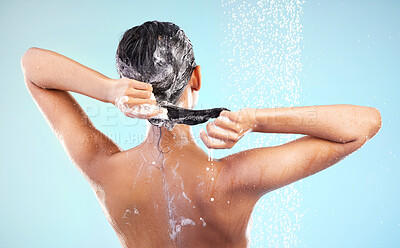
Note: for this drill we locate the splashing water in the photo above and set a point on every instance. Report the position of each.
(204, 223)
(210, 154)
(261, 64)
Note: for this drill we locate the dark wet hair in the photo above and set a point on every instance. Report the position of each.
(160, 53)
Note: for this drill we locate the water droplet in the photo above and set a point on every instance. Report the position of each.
(210, 154)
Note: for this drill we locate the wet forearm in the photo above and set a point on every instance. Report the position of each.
(51, 70)
(338, 123)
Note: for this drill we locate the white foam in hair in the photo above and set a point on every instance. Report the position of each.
(169, 69)
(160, 53)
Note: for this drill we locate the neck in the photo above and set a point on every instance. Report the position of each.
(181, 135)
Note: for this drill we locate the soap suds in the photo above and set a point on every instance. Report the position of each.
(202, 220)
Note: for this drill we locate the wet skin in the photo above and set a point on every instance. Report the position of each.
(175, 198)
(165, 192)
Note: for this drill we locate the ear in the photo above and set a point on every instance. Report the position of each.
(195, 80)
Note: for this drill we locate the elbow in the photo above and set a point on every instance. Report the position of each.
(27, 62)
(368, 126)
(376, 121)
(27, 58)
(373, 122)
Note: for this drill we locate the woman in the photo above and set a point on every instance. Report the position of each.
(166, 192)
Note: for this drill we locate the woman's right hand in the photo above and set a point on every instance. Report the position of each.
(225, 131)
(135, 99)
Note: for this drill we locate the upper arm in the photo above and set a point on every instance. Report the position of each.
(86, 146)
(269, 168)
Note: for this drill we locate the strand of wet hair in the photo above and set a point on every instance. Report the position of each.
(178, 115)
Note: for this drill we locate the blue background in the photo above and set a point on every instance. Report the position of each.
(350, 53)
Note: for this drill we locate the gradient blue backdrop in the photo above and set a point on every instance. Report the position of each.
(351, 54)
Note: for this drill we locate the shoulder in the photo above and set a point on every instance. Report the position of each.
(115, 169)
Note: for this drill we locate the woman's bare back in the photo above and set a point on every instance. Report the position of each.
(177, 198)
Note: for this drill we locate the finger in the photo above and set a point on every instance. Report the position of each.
(135, 93)
(203, 137)
(226, 123)
(214, 143)
(137, 101)
(151, 114)
(209, 142)
(220, 133)
(141, 85)
(231, 115)
(142, 113)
